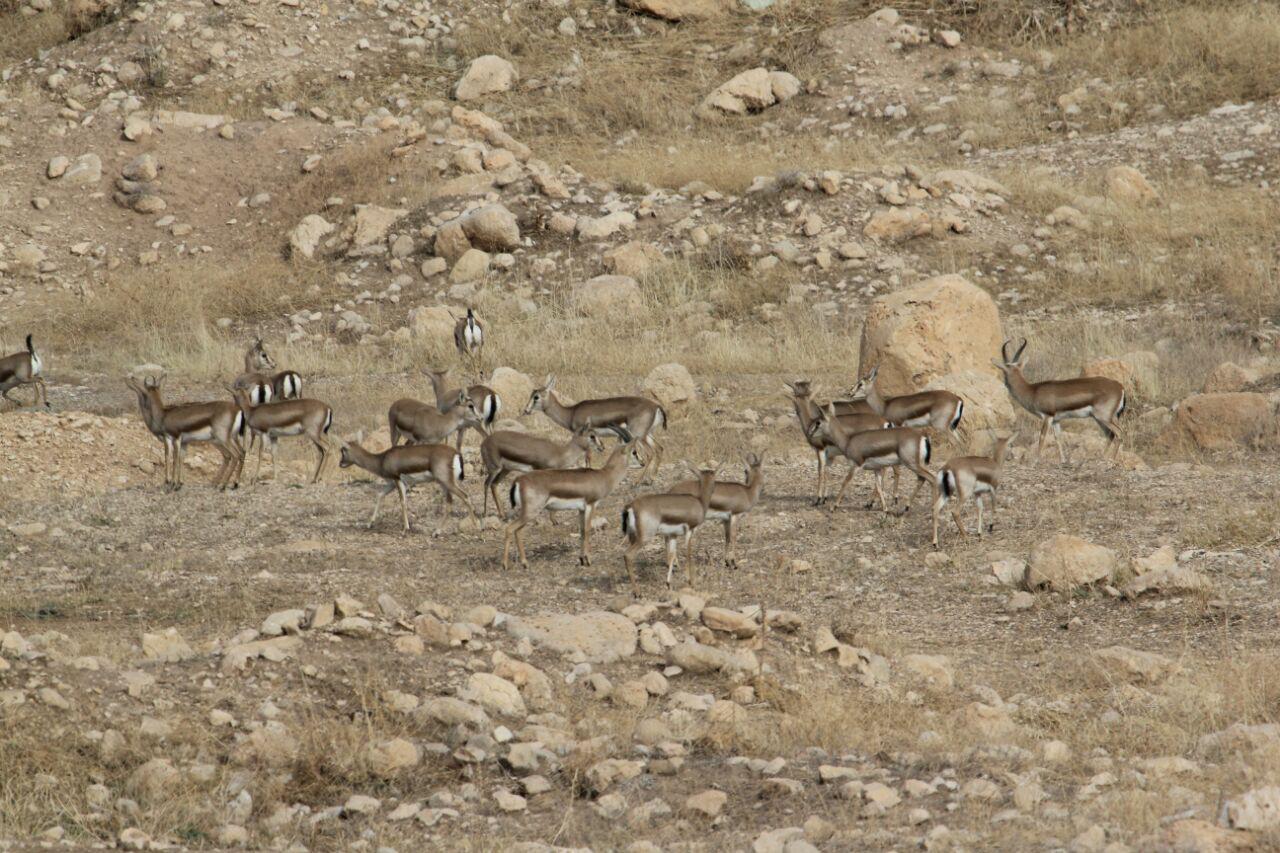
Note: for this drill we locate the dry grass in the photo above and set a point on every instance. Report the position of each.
(24, 36)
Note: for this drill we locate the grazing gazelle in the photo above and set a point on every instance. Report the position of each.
(423, 424)
(634, 416)
(506, 450)
(940, 410)
(270, 421)
(23, 368)
(876, 450)
(809, 413)
(485, 399)
(219, 423)
(1056, 400)
(670, 516)
(263, 385)
(968, 477)
(468, 335)
(576, 488)
(404, 467)
(730, 501)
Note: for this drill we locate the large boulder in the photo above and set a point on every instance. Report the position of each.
(512, 387)
(1065, 562)
(943, 325)
(987, 404)
(432, 323)
(1221, 421)
(305, 237)
(491, 227)
(601, 637)
(486, 75)
(671, 384)
(1138, 371)
(1228, 377)
(634, 258)
(751, 91)
(607, 295)
(680, 10)
(1127, 185)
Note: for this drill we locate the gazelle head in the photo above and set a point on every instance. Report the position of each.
(257, 358)
(587, 438)
(538, 397)
(1008, 365)
(800, 389)
(345, 457)
(753, 463)
(820, 416)
(865, 384)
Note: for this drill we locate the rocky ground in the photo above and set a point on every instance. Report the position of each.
(694, 200)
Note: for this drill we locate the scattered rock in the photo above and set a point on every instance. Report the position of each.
(1222, 421)
(1127, 185)
(305, 237)
(607, 295)
(1065, 562)
(671, 384)
(1131, 664)
(486, 75)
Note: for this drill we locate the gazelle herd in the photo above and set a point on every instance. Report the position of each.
(870, 431)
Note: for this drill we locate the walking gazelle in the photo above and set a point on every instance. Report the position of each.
(968, 477)
(1057, 400)
(730, 501)
(269, 422)
(23, 368)
(633, 416)
(405, 466)
(940, 410)
(671, 516)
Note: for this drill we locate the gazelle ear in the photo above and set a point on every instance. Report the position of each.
(551, 382)
(998, 364)
(875, 371)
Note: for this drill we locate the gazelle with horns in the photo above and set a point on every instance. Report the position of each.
(966, 477)
(506, 451)
(876, 450)
(23, 368)
(629, 416)
(671, 516)
(485, 399)
(940, 410)
(422, 424)
(404, 467)
(573, 489)
(262, 384)
(1057, 400)
(220, 423)
(270, 422)
(809, 413)
(730, 501)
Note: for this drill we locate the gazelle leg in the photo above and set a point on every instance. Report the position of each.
(628, 560)
(224, 470)
(454, 490)
(275, 456)
(585, 517)
(257, 468)
(377, 505)
(671, 558)
(324, 457)
(822, 477)
(955, 514)
(897, 476)
(844, 485)
(461, 430)
(978, 500)
(880, 489)
(991, 496)
(878, 476)
(524, 559)
(688, 559)
(938, 503)
(179, 462)
(730, 533)
(404, 505)
(1057, 438)
(1044, 433)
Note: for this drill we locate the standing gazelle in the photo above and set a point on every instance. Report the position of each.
(262, 384)
(730, 501)
(218, 423)
(940, 410)
(468, 335)
(404, 467)
(968, 477)
(577, 489)
(484, 398)
(23, 368)
(809, 413)
(670, 516)
(422, 424)
(506, 450)
(270, 421)
(1057, 400)
(876, 450)
(636, 416)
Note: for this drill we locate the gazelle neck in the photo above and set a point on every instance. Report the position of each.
(803, 411)
(1022, 390)
(1002, 448)
(438, 386)
(556, 410)
(874, 400)
(755, 481)
(369, 461)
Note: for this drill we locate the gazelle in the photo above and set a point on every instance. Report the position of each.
(405, 467)
(636, 416)
(670, 516)
(23, 368)
(876, 450)
(968, 477)
(219, 423)
(576, 488)
(730, 501)
(505, 451)
(423, 424)
(468, 335)
(485, 399)
(809, 413)
(1057, 400)
(262, 384)
(271, 421)
(940, 410)
(803, 388)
